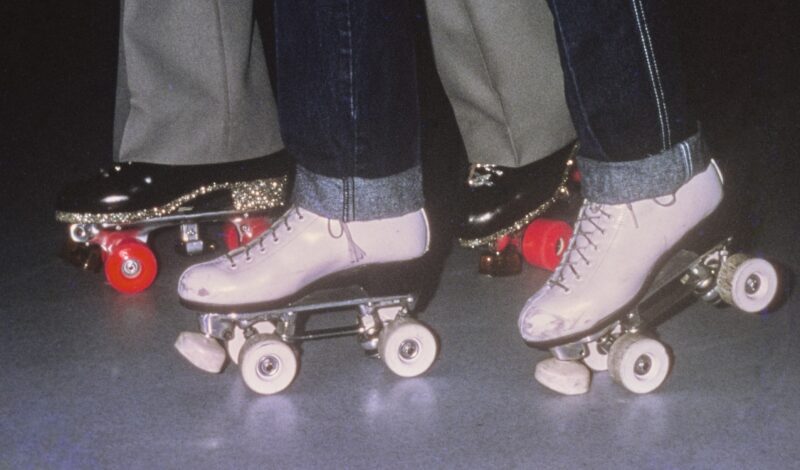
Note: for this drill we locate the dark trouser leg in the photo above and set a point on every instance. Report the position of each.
(347, 97)
(625, 92)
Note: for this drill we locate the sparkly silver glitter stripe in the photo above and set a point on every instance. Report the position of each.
(248, 196)
(561, 192)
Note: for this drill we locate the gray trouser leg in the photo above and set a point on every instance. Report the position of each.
(499, 64)
(192, 84)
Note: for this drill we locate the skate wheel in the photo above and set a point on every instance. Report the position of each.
(596, 359)
(639, 363)
(407, 347)
(502, 243)
(234, 345)
(131, 267)
(545, 241)
(749, 284)
(248, 229)
(268, 365)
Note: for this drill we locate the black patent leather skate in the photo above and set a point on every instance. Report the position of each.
(111, 215)
(130, 192)
(500, 203)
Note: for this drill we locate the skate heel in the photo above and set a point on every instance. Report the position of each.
(259, 195)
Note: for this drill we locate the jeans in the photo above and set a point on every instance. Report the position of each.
(626, 96)
(348, 106)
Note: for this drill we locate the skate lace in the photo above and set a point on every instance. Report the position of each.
(483, 174)
(590, 226)
(272, 232)
(356, 253)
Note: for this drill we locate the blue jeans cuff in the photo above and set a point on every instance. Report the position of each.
(353, 198)
(654, 176)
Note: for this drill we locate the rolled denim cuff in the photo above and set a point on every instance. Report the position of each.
(361, 199)
(653, 176)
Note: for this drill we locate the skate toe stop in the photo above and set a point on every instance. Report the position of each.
(203, 352)
(565, 377)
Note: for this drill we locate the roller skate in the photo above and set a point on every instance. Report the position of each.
(111, 216)
(253, 300)
(516, 213)
(626, 269)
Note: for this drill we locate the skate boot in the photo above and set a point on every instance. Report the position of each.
(112, 215)
(501, 202)
(301, 252)
(615, 251)
(132, 192)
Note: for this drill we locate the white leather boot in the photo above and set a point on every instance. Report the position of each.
(612, 253)
(300, 248)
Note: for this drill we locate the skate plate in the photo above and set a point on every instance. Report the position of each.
(641, 363)
(262, 342)
(129, 263)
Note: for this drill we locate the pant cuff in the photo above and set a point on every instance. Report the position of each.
(353, 198)
(654, 176)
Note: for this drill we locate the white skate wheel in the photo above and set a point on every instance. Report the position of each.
(564, 377)
(203, 352)
(267, 364)
(407, 347)
(639, 363)
(595, 359)
(749, 284)
(234, 345)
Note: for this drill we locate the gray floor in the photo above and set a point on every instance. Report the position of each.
(90, 380)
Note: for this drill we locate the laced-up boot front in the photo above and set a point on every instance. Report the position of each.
(613, 252)
(300, 248)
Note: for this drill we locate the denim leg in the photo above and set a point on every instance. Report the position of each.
(348, 106)
(626, 95)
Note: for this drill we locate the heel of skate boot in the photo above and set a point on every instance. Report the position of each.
(259, 195)
(203, 352)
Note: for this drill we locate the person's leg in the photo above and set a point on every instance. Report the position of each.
(645, 171)
(194, 110)
(347, 98)
(500, 68)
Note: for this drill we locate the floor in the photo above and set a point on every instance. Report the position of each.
(90, 378)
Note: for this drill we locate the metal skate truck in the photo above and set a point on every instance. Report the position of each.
(263, 342)
(624, 346)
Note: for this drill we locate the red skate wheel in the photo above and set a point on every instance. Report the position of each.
(502, 243)
(230, 235)
(250, 229)
(131, 267)
(253, 227)
(544, 241)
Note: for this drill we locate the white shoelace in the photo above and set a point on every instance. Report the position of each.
(593, 221)
(356, 252)
(282, 221)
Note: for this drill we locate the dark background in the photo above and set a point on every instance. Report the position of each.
(58, 72)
